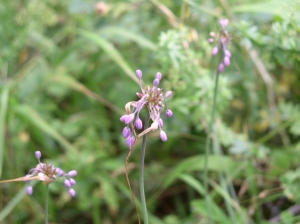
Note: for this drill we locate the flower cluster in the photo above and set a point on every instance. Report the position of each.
(48, 174)
(151, 98)
(223, 40)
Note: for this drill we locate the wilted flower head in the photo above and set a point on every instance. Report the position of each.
(47, 173)
(223, 39)
(151, 98)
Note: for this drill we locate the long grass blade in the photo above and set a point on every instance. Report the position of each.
(37, 120)
(111, 51)
(3, 112)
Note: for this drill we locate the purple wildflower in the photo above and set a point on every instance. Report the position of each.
(151, 98)
(48, 174)
(223, 40)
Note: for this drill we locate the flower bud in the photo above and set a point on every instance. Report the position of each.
(138, 123)
(158, 76)
(126, 132)
(129, 118)
(226, 61)
(169, 113)
(67, 183)
(38, 154)
(72, 181)
(215, 50)
(29, 190)
(210, 40)
(123, 118)
(72, 192)
(168, 94)
(221, 67)
(223, 22)
(160, 122)
(138, 74)
(227, 53)
(163, 136)
(72, 173)
(59, 172)
(156, 82)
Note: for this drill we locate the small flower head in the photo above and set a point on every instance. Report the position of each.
(223, 39)
(47, 173)
(154, 100)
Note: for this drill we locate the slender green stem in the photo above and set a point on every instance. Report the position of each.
(207, 149)
(46, 204)
(142, 188)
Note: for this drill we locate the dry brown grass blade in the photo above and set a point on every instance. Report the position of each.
(20, 179)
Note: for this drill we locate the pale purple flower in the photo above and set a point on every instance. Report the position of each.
(221, 67)
(130, 141)
(72, 192)
(126, 132)
(129, 118)
(163, 135)
(67, 183)
(38, 155)
(223, 40)
(151, 98)
(168, 94)
(139, 74)
(226, 61)
(72, 173)
(49, 173)
(72, 181)
(158, 76)
(29, 190)
(215, 50)
(156, 82)
(138, 123)
(223, 22)
(160, 122)
(169, 113)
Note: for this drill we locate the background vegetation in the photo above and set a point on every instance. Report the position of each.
(67, 70)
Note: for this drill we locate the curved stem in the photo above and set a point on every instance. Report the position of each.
(46, 204)
(142, 188)
(207, 149)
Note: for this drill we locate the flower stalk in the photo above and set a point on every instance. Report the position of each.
(142, 182)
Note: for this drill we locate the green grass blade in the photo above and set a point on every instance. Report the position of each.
(111, 51)
(140, 40)
(3, 112)
(75, 85)
(274, 7)
(14, 202)
(197, 163)
(34, 118)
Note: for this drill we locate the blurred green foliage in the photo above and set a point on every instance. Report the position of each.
(67, 70)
